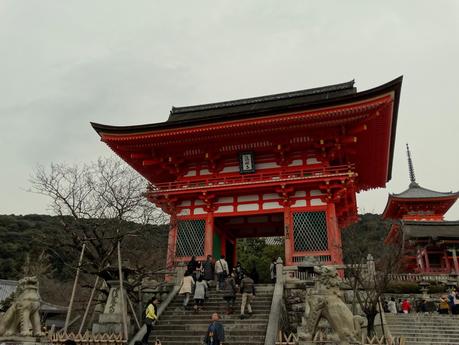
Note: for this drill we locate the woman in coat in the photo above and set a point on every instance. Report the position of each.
(208, 268)
(187, 287)
(200, 291)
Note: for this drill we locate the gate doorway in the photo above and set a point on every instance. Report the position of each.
(251, 239)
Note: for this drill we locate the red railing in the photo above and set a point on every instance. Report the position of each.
(240, 181)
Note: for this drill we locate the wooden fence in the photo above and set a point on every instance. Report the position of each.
(323, 339)
(87, 338)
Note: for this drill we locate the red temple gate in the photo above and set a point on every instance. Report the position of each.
(285, 165)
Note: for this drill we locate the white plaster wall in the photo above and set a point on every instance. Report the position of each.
(226, 199)
(317, 202)
(199, 210)
(248, 207)
(271, 205)
(312, 160)
(252, 197)
(229, 169)
(225, 208)
(184, 212)
(267, 165)
(271, 196)
(296, 162)
(299, 203)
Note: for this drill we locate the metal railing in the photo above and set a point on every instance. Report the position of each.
(417, 277)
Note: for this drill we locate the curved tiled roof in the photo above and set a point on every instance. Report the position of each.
(415, 191)
(444, 229)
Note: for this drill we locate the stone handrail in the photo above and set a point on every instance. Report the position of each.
(276, 306)
(180, 270)
(416, 277)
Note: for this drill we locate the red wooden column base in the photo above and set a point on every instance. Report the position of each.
(209, 235)
(171, 244)
(334, 236)
(288, 236)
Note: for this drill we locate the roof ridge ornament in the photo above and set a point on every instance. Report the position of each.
(413, 183)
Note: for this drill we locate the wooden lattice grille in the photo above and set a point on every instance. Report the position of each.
(310, 231)
(190, 237)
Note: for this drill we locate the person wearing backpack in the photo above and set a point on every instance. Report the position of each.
(248, 293)
(229, 293)
(222, 271)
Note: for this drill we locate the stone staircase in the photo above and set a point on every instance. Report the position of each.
(425, 329)
(177, 326)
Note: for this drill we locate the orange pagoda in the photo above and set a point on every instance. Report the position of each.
(428, 241)
(287, 165)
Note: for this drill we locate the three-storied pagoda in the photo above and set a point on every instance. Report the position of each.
(428, 242)
(285, 165)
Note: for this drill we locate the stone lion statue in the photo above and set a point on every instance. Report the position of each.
(325, 301)
(22, 317)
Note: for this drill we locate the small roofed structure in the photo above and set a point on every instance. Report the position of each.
(429, 242)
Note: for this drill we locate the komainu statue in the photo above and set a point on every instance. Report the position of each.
(326, 301)
(22, 317)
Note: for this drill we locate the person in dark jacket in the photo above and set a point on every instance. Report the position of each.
(229, 293)
(215, 332)
(208, 268)
(248, 293)
(192, 266)
(254, 273)
(239, 273)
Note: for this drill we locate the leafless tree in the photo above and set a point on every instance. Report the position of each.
(99, 204)
(370, 265)
(369, 268)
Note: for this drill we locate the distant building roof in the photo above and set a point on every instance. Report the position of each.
(435, 230)
(7, 287)
(415, 191)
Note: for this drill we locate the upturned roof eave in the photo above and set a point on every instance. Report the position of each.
(394, 85)
(392, 200)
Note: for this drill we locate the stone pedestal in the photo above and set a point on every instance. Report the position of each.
(111, 320)
(18, 340)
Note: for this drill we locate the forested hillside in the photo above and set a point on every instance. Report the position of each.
(30, 235)
(26, 238)
(366, 236)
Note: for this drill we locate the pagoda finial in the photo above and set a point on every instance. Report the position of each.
(411, 168)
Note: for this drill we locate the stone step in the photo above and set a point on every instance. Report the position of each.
(432, 327)
(422, 329)
(177, 326)
(199, 342)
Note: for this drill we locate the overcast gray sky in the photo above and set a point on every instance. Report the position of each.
(66, 63)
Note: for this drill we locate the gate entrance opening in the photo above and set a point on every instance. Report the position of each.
(229, 229)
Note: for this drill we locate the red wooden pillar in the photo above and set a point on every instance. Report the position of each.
(426, 257)
(447, 263)
(456, 265)
(209, 235)
(171, 243)
(288, 236)
(235, 252)
(420, 260)
(334, 236)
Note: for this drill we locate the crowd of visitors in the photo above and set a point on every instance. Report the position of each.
(199, 277)
(446, 304)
